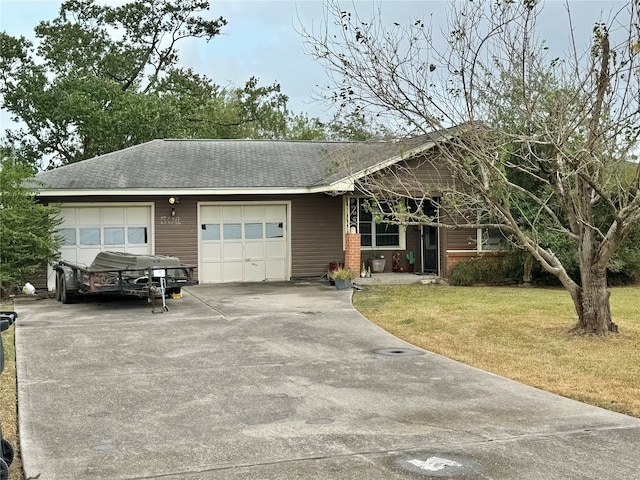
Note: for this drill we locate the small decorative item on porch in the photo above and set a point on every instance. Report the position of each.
(395, 261)
(342, 277)
(365, 272)
(411, 258)
(378, 262)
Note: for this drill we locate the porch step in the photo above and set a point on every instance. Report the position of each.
(396, 279)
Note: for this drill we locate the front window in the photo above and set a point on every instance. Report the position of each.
(373, 234)
(491, 240)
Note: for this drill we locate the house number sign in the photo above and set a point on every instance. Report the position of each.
(167, 220)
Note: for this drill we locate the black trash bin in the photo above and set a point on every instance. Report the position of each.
(6, 449)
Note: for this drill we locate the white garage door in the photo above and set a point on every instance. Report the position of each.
(243, 243)
(90, 230)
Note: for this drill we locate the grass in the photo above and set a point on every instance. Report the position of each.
(9, 399)
(522, 334)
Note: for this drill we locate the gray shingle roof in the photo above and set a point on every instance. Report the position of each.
(223, 164)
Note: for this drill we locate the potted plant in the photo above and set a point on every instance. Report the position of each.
(378, 262)
(411, 258)
(342, 277)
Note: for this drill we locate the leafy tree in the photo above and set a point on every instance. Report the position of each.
(92, 84)
(27, 228)
(104, 78)
(573, 142)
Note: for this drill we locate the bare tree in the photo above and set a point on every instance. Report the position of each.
(540, 144)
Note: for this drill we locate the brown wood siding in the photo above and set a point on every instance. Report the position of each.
(461, 239)
(316, 234)
(177, 236)
(427, 172)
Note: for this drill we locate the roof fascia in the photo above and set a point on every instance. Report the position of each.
(336, 186)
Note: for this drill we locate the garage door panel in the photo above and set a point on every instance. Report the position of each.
(275, 269)
(275, 212)
(232, 252)
(232, 214)
(212, 252)
(232, 272)
(137, 215)
(212, 271)
(210, 214)
(68, 216)
(254, 271)
(254, 250)
(86, 255)
(140, 250)
(276, 249)
(88, 216)
(253, 213)
(113, 216)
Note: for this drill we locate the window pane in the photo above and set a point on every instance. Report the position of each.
(90, 236)
(365, 228)
(68, 236)
(387, 235)
(210, 231)
(365, 214)
(137, 235)
(253, 231)
(232, 231)
(114, 236)
(275, 230)
(493, 240)
(365, 240)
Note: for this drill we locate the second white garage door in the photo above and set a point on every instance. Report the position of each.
(243, 243)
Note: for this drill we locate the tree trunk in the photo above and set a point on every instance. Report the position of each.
(591, 301)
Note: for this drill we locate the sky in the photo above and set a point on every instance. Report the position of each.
(262, 39)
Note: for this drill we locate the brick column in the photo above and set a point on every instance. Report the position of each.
(352, 252)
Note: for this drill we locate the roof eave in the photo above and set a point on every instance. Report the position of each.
(339, 186)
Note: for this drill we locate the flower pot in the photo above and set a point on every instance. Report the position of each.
(342, 284)
(377, 265)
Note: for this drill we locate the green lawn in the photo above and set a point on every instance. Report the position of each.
(519, 333)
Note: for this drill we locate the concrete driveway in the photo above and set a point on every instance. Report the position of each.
(283, 381)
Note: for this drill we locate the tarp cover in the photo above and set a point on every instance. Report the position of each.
(130, 261)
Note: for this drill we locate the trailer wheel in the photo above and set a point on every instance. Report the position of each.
(7, 452)
(65, 295)
(58, 286)
(4, 470)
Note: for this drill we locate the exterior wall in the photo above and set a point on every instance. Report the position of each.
(177, 236)
(316, 234)
(316, 227)
(425, 171)
(461, 239)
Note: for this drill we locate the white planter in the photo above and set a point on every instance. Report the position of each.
(377, 265)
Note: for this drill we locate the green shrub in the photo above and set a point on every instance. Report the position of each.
(484, 270)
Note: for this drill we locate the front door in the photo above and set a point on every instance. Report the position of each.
(430, 250)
